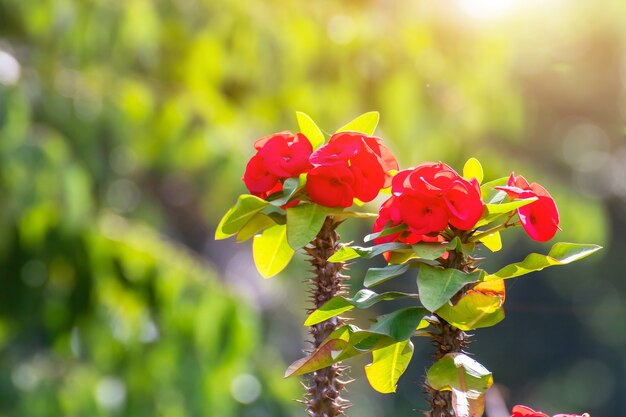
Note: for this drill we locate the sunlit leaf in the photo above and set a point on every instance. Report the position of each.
(349, 341)
(488, 192)
(492, 241)
(346, 253)
(246, 207)
(459, 371)
(365, 123)
(309, 129)
(561, 254)
(271, 251)
(255, 225)
(479, 307)
(437, 285)
(304, 221)
(473, 169)
(323, 355)
(493, 212)
(362, 299)
(388, 364)
(375, 276)
(468, 404)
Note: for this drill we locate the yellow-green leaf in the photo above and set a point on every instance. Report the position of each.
(309, 129)
(388, 364)
(255, 225)
(365, 123)
(493, 242)
(271, 251)
(246, 207)
(473, 169)
(561, 254)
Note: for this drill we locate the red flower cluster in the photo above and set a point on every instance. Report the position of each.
(427, 198)
(351, 165)
(540, 218)
(279, 156)
(523, 411)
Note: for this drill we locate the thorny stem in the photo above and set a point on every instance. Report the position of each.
(446, 339)
(323, 396)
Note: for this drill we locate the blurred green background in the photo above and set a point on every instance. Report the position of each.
(125, 127)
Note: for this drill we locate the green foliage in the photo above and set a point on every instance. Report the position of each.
(473, 311)
(437, 285)
(365, 123)
(246, 207)
(362, 299)
(473, 169)
(271, 251)
(388, 364)
(349, 340)
(375, 276)
(310, 130)
(304, 221)
(467, 379)
(561, 254)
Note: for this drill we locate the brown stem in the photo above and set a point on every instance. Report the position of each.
(323, 396)
(446, 339)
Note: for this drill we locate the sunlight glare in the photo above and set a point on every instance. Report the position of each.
(486, 9)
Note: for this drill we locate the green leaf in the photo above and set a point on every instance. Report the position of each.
(493, 212)
(346, 253)
(349, 341)
(385, 232)
(493, 241)
(290, 188)
(437, 285)
(429, 250)
(255, 225)
(304, 221)
(488, 192)
(271, 251)
(375, 276)
(561, 254)
(340, 345)
(459, 371)
(400, 324)
(388, 364)
(362, 299)
(309, 129)
(365, 123)
(324, 355)
(246, 207)
(474, 310)
(473, 169)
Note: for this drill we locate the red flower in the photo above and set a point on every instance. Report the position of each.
(423, 215)
(257, 178)
(540, 218)
(340, 148)
(331, 186)
(284, 154)
(369, 175)
(432, 195)
(366, 159)
(464, 203)
(523, 411)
